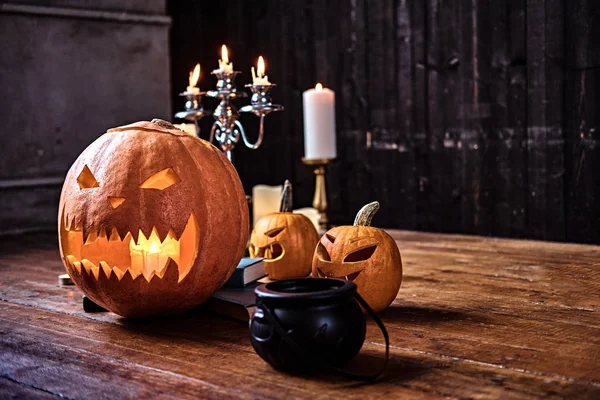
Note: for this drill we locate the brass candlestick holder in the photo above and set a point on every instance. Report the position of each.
(320, 197)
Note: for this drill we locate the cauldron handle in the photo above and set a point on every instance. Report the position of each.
(288, 339)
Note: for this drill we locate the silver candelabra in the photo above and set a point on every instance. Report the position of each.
(227, 128)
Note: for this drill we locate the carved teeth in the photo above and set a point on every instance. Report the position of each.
(106, 268)
(88, 265)
(118, 273)
(134, 274)
(102, 234)
(92, 236)
(148, 233)
(77, 266)
(162, 235)
(66, 222)
(149, 275)
(114, 235)
(99, 245)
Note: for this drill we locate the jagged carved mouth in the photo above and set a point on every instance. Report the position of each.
(350, 277)
(147, 256)
(272, 252)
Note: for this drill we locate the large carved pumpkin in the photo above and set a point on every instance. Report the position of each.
(363, 254)
(151, 220)
(285, 240)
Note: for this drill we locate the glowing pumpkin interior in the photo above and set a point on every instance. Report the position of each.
(147, 254)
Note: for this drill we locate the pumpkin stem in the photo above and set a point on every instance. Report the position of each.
(365, 215)
(164, 124)
(286, 197)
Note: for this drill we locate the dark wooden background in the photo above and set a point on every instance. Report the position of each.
(70, 70)
(474, 116)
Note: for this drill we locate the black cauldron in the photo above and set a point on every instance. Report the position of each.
(302, 325)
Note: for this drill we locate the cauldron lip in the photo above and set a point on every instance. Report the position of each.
(306, 289)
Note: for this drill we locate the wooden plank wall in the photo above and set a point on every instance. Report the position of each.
(69, 70)
(473, 116)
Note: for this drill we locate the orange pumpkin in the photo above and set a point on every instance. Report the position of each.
(151, 220)
(285, 240)
(365, 255)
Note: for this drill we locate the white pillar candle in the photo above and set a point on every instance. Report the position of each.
(265, 200)
(319, 123)
(310, 213)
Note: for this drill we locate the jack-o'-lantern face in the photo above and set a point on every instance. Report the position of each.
(100, 245)
(285, 240)
(151, 220)
(367, 256)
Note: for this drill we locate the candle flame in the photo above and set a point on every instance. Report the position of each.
(224, 55)
(194, 76)
(153, 248)
(319, 87)
(260, 68)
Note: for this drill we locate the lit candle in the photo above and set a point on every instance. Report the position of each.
(260, 78)
(224, 64)
(319, 123)
(193, 81)
(151, 262)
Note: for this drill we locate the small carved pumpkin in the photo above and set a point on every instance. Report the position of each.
(365, 255)
(151, 220)
(285, 240)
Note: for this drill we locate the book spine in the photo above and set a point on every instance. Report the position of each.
(236, 280)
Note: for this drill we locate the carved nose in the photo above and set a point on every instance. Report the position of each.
(115, 201)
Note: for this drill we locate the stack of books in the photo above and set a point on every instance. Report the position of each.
(248, 271)
(236, 299)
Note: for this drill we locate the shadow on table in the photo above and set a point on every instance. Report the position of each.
(426, 315)
(200, 332)
(398, 370)
(197, 325)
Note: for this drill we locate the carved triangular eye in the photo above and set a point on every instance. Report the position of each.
(86, 179)
(330, 237)
(161, 180)
(361, 254)
(322, 253)
(274, 232)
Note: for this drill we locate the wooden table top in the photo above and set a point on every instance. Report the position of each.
(475, 318)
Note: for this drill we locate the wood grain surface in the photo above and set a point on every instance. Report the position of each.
(475, 318)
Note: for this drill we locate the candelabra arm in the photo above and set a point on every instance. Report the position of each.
(216, 125)
(261, 133)
(241, 129)
(226, 130)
